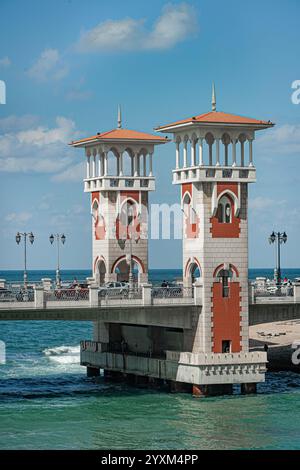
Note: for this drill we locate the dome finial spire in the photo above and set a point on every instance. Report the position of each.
(213, 100)
(119, 117)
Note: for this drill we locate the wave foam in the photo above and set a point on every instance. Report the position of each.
(64, 354)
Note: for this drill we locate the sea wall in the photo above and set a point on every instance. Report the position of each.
(273, 312)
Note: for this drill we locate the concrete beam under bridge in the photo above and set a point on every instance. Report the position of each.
(162, 315)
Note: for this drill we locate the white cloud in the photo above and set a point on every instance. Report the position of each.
(73, 173)
(18, 217)
(260, 203)
(49, 66)
(283, 140)
(68, 219)
(17, 123)
(176, 23)
(5, 62)
(78, 95)
(39, 149)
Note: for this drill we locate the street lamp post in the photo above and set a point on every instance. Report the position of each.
(59, 238)
(30, 236)
(279, 238)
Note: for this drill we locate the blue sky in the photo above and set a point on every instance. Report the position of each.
(67, 64)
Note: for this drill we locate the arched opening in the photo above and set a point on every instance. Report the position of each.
(209, 138)
(101, 272)
(128, 225)
(187, 206)
(194, 272)
(225, 275)
(112, 163)
(122, 269)
(143, 162)
(95, 208)
(128, 163)
(190, 225)
(225, 209)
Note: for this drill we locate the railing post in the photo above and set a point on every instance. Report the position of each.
(198, 293)
(93, 295)
(251, 293)
(47, 282)
(39, 297)
(146, 294)
(297, 292)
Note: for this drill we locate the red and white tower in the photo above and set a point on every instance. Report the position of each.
(119, 177)
(214, 166)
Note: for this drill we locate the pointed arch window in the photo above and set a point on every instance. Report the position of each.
(225, 210)
(225, 275)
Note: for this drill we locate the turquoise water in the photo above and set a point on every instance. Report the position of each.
(46, 402)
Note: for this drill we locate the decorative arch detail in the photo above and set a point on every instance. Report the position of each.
(123, 258)
(223, 266)
(189, 263)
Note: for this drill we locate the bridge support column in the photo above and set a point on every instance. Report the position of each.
(92, 371)
(247, 389)
(179, 387)
(200, 391)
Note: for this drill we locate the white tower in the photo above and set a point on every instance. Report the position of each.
(214, 165)
(119, 176)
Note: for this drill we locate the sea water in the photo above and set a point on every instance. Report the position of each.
(47, 402)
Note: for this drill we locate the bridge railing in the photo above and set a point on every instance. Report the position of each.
(16, 293)
(271, 292)
(172, 292)
(69, 294)
(93, 296)
(120, 293)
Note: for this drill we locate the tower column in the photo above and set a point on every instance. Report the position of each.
(250, 152)
(94, 165)
(177, 155)
(217, 152)
(193, 153)
(88, 164)
(118, 165)
(102, 163)
(105, 163)
(150, 164)
(242, 153)
(135, 164)
(99, 164)
(185, 154)
(233, 152)
(132, 165)
(144, 165)
(201, 151)
(121, 164)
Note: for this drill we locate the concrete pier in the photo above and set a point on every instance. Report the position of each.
(248, 389)
(92, 371)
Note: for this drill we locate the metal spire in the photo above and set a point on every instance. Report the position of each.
(213, 100)
(119, 117)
